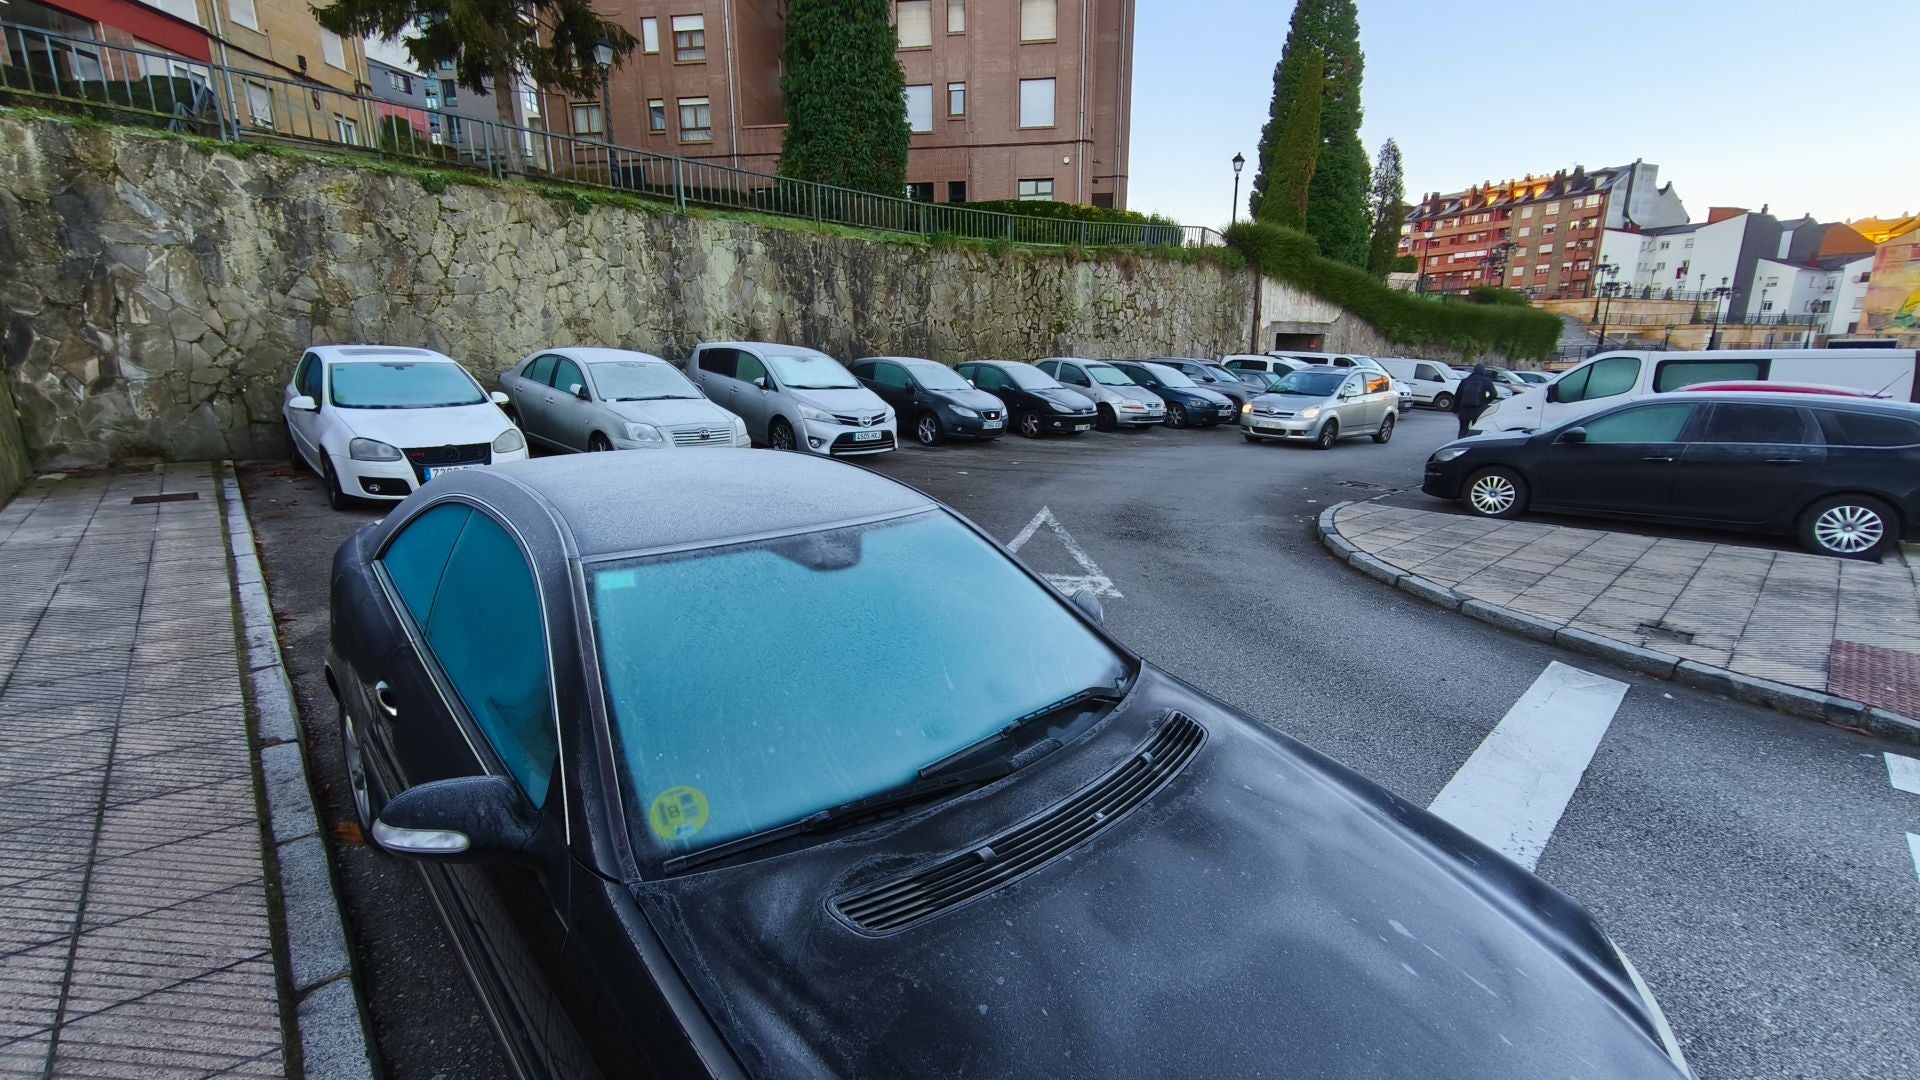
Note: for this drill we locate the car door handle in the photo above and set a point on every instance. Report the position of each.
(1783, 461)
(383, 696)
(1655, 457)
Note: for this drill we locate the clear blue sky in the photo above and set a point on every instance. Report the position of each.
(1810, 107)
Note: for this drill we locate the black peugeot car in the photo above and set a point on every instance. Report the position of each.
(712, 777)
(1038, 403)
(931, 399)
(1842, 474)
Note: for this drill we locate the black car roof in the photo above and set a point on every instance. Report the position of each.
(1905, 409)
(640, 499)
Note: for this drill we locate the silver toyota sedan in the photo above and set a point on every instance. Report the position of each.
(612, 399)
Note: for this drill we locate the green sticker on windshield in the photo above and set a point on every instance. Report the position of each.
(677, 813)
(615, 579)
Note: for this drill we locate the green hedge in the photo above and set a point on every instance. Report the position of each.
(1493, 294)
(1401, 317)
(1065, 211)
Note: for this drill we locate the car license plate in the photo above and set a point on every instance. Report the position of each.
(992, 425)
(1081, 427)
(867, 436)
(438, 469)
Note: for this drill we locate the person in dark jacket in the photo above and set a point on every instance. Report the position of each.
(1473, 396)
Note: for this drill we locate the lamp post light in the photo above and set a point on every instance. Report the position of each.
(1666, 343)
(1719, 294)
(603, 59)
(1605, 303)
(1239, 162)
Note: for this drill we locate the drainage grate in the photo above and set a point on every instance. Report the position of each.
(1666, 633)
(176, 496)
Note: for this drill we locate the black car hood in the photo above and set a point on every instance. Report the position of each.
(968, 398)
(1072, 400)
(1266, 913)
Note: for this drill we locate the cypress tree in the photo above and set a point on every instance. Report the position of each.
(1289, 172)
(1337, 196)
(846, 97)
(1389, 209)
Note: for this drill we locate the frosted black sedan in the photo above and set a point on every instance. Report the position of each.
(765, 765)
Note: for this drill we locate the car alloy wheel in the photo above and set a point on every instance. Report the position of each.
(1176, 414)
(1443, 401)
(1030, 425)
(598, 443)
(1849, 526)
(780, 435)
(1329, 434)
(1386, 429)
(357, 783)
(927, 429)
(1494, 493)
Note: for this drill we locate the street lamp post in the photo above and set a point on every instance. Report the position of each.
(1666, 343)
(1719, 294)
(1239, 162)
(1605, 303)
(603, 59)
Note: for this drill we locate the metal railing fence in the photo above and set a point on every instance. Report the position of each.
(129, 85)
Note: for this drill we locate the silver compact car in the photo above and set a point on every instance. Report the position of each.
(1322, 405)
(612, 399)
(1121, 401)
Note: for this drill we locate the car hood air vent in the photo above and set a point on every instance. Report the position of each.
(900, 902)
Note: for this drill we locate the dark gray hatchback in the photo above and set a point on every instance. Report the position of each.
(1842, 474)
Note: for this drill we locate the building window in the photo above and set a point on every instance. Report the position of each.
(922, 192)
(914, 21)
(649, 36)
(244, 13)
(1036, 103)
(1037, 19)
(260, 104)
(1552, 209)
(1526, 230)
(956, 99)
(1766, 305)
(696, 120)
(956, 17)
(401, 81)
(1526, 211)
(920, 110)
(1036, 189)
(333, 50)
(348, 131)
(689, 40)
(657, 114)
(449, 91)
(956, 191)
(586, 118)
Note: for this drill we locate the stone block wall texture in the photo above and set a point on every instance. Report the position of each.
(14, 464)
(157, 292)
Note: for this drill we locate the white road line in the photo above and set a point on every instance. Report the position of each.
(1511, 792)
(1904, 773)
(1089, 578)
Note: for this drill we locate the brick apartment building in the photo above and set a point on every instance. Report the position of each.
(1538, 234)
(1005, 99)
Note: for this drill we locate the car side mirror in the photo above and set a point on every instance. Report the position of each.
(304, 404)
(761, 382)
(578, 391)
(465, 819)
(973, 384)
(499, 398)
(1089, 605)
(1553, 391)
(698, 389)
(1574, 435)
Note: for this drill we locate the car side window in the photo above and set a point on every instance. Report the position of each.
(1744, 423)
(418, 555)
(300, 373)
(487, 634)
(1661, 423)
(566, 375)
(718, 361)
(890, 375)
(1426, 373)
(1601, 379)
(1867, 429)
(310, 380)
(990, 378)
(1072, 375)
(748, 368)
(1376, 384)
(541, 370)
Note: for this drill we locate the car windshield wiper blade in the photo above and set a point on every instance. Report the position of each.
(913, 791)
(1078, 701)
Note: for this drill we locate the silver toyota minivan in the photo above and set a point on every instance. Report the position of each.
(793, 398)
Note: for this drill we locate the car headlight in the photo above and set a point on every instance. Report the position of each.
(962, 410)
(818, 416)
(645, 435)
(1309, 412)
(1133, 406)
(1065, 410)
(1246, 408)
(372, 450)
(1448, 453)
(509, 441)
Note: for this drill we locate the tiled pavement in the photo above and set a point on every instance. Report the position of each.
(1830, 625)
(134, 932)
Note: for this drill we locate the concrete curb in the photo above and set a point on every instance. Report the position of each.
(327, 1013)
(1781, 697)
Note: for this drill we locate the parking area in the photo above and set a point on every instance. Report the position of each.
(1755, 865)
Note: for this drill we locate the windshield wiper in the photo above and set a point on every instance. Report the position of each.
(913, 791)
(1079, 701)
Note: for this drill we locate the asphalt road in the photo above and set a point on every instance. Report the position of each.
(1754, 865)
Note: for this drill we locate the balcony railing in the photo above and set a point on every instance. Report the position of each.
(180, 94)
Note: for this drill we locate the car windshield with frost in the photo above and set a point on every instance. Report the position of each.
(634, 380)
(811, 371)
(403, 384)
(899, 669)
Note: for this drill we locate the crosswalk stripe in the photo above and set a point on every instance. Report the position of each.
(1511, 792)
(1913, 846)
(1904, 773)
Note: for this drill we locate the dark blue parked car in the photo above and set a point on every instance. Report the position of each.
(1188, 403)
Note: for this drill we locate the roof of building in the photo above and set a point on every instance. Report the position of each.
(1528, 189)
(1879, 230)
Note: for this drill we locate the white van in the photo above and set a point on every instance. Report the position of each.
(1613, 377)
(1433, 383)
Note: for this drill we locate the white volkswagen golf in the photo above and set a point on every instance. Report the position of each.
(378, 421)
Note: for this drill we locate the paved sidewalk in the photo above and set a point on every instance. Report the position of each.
(134, 926)
(1832, 626)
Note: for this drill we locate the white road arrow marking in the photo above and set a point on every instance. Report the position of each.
(1090, 576)
(1904, 773)
(1511, 793)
